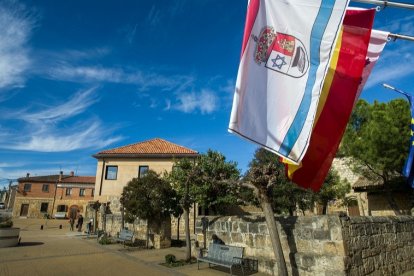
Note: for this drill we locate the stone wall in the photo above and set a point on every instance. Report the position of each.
(322, 245)
(159, 237)
(34, 206)
(312, 245)
(176, 224)
(384, 245)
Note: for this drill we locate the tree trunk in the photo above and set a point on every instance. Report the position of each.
(178, 227)
(187, 234)
(147, 234)
(274, 235)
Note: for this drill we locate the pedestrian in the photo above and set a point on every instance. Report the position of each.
(72, 222)
(89, 226)
(80, 222)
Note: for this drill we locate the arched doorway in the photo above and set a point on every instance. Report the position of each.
(73, 211)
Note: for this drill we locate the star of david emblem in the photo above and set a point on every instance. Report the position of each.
(278, 62)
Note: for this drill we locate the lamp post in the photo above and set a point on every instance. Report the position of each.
(409, 161)
(409, 97)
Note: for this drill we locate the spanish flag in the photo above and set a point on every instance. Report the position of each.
(337, 99)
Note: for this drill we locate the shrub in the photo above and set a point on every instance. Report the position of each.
(105, 239)
(170, 259)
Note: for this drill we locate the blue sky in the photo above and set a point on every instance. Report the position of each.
(77, 77)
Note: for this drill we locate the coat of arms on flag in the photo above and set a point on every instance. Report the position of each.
(281, 52)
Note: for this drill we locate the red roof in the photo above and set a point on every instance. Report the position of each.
(155, 146)
(79, 179)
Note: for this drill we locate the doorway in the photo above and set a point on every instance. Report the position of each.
(73, 211)
(24, 210)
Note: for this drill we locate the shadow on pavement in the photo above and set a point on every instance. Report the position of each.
(236, 270)
(22, 244)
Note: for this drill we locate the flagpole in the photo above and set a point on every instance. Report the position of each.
(386, 4)
(403, 37)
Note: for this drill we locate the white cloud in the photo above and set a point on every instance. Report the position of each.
(43, 132)
(205, 101)
(10, 165)
(402, 25)
(154, 17)
(15, 28)
(93, 74)
(76, 105)
(167, 105)
(90, 134)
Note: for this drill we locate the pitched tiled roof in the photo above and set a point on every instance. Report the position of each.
(79, 179)
(44, 178)
(55, 178)
(147, 148)
(364, 183)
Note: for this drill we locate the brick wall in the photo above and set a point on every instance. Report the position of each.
(36, 190)
(61, 193)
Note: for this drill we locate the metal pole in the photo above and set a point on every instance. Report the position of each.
(386, 4)
(397, 90)
(403, 37)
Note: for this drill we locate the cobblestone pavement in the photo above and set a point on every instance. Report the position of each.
(54, 251)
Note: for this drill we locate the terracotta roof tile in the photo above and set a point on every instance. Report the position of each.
(79, 179)
(154, 146)
(55, 178)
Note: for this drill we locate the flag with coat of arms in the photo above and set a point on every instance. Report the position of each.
(286, 50)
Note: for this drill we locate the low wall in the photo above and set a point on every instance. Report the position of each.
(160, 235)
(381, 244)
(322, 245)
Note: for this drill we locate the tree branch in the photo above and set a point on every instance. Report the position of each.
(251, 186)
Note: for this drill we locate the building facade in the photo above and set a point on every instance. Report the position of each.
(57, 196)
(116, 167)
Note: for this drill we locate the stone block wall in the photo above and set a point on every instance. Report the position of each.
(160, 235)
(379, 245)
(322, 245)
(312, 245)
(34, 206)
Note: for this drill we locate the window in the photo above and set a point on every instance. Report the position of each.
(62, 208)
(142, 171)
(27, 187)
(111, 172)
(43, 207)
(68, 191)
(45, 188)
(82, 192)
(92, 192)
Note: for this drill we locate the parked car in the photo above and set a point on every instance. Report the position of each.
(2, 205)
(60, 215)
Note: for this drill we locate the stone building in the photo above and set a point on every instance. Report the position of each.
(56, 196)
(369, 198)
(116, 167)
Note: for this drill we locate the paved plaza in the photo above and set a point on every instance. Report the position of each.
(54, 251)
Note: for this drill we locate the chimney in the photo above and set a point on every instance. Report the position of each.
(60, 176)
(72, 173)
(27, 175)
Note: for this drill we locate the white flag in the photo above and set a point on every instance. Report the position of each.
(286, 51)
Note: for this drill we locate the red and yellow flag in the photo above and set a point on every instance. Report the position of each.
(337, 99)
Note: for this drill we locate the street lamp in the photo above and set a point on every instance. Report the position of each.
(409, 162)
(398, 90)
